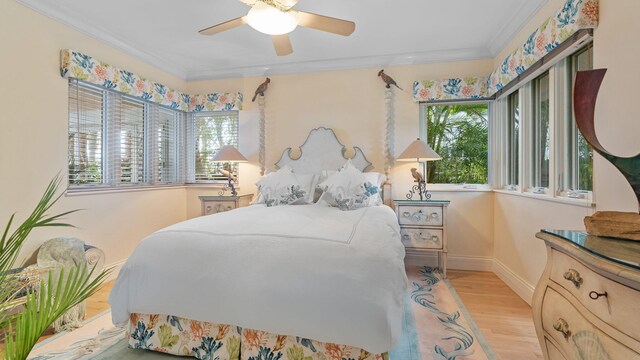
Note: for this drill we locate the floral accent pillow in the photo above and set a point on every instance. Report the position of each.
(348, 189)
(283, 187)
(375, 181)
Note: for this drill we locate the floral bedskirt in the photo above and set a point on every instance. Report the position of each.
(204, 340)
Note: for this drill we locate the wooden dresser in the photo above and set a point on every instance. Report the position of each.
(423, 227)
(587, 303)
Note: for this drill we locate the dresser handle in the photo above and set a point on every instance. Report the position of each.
(435, 215)
(573, 276)
(595, 295)
(406, 214)
(562, 326)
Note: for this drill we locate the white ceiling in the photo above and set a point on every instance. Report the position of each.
(164, 33)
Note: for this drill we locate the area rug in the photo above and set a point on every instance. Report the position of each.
(436, 326)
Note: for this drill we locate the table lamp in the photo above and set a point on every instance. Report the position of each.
(229, 154)
(419, 151)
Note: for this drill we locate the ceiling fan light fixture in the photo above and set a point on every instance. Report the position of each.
(269, 20)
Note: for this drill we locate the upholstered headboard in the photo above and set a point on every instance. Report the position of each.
(323, 151)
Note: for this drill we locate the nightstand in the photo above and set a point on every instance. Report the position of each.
(215, 204)
(423, 227)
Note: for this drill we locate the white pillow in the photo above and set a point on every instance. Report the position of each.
(283, 187)
(348, 189)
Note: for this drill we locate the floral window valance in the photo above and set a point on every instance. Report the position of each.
(83, 67)
(573, 16)
(450, 89)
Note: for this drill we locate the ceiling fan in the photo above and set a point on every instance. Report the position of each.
(278, 18)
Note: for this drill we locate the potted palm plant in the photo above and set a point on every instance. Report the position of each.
(45, 301)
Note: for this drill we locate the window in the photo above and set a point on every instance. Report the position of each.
(211, 131)
(458, 133)
(167, 136)
(539, 134)
(116, 140)
(86, 114)
(513, 141)
(130, 142)
(576, 163)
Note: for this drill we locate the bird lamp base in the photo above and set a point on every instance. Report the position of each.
(420, 189)
(228, 186)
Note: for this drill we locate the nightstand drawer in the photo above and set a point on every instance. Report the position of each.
(421, 238)
(215, 204)
(420, 215)
(213, 207)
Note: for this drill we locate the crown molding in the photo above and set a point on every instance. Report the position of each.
(525, 12)
(66, 17)
(342, 64)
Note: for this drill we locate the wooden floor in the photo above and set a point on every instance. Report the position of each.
(502, 316)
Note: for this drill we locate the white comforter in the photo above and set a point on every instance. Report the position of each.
(306, 270)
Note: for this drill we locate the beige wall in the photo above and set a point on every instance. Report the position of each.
(517, 219)
(33, 140)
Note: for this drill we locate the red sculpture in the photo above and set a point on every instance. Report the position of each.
(585, 94)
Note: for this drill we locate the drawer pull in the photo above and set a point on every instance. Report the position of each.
(406, 237)
(573, 276)
(435, 216)
(595, 295)
(562, 327)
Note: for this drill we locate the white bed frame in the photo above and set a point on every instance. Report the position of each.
(323, 151)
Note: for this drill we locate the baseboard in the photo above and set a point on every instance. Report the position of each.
(457, 262)
(116, 267)
(515, 282)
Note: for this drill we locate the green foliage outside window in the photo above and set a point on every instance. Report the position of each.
(458, 133)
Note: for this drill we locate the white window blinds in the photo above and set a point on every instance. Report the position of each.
(86, 131)
(166, 139)
(117, 141)
(131, 140)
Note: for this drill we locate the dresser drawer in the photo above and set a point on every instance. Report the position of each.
(420, 215)
(213, 207)
(421, 238)
(582, 282)
(552, 350)
(576, 337)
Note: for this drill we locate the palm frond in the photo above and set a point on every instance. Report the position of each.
(43, 307)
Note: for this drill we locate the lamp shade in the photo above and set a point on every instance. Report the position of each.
(228, 153)
(418, 151)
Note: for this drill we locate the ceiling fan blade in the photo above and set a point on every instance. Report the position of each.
(282, 44)
(223, 26)
(326, 23)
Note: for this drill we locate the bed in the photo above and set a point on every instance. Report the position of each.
(282, 282)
